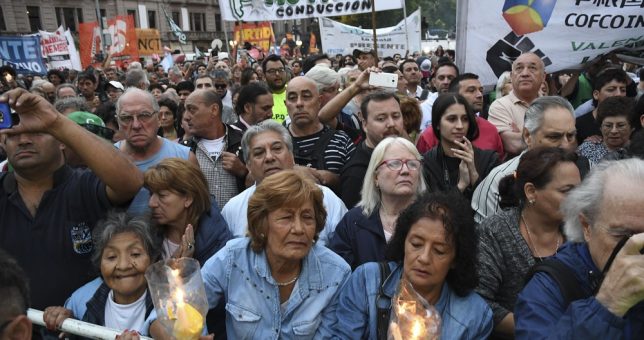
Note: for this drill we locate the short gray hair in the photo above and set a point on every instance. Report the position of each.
(146, 94)
(120, 222)
(369, 193)
(323, 76)
(75, 103)
(220, 74)
(534, 114)
(587, 198)
(64, 85)
(135, 76)
(267, 125)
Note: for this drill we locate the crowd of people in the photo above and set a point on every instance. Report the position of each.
(311, 198)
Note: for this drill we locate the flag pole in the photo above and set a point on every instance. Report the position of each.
(404, 3)
(373, 24)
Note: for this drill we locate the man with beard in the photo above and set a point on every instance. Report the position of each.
(274, 70)
(381, 118)
(412, 74)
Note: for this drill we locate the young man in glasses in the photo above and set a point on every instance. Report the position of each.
(220, 83)
(137, 113)
(274, 70)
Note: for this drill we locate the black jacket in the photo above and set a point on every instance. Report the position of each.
(352, 175)
(358, 238)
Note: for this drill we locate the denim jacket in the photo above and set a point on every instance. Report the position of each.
(463, 317)
(242, 277)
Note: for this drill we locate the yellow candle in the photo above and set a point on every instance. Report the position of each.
(188, 322)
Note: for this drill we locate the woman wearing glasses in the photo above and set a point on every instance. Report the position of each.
(455, 163)
(392, 182)
(614, 123)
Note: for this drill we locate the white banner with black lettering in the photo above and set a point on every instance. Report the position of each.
(566, 34)
(338, 38)
(263, 10)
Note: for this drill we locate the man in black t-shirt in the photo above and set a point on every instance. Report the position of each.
(323, 150)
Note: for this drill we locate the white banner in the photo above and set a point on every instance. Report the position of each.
(343, 39)
(59, 50)
(566, 34)
(262, 10)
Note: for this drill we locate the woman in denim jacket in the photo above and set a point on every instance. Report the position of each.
(278, 283)
(434, 248)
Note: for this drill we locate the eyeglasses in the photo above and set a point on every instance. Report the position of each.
(100, 131)
(221, 86)
(397, 164)
(274, 71)
(142, 117)
(618, 126)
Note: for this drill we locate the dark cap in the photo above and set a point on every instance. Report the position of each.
(357, 52)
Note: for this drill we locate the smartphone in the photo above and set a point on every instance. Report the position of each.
(5, 116)
(379, 79)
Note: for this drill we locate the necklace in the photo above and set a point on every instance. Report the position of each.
(536, 252)
(386, 220)
(282, 284)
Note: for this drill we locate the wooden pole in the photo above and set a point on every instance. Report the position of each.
(373, 24)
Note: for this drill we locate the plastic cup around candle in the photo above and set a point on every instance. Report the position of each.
(179, 296)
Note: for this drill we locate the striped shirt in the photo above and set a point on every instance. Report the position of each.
(337, 152)
(485, 200)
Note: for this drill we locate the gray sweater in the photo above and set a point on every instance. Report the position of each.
(504, 260)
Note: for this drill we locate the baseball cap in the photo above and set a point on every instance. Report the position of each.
(426, 65)
(357, 52)
(92, 123)
(116, 85)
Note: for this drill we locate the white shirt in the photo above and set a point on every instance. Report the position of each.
(122, 317)
(214, 147)
(426, 107)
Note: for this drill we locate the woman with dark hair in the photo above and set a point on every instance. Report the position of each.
(156, 90)
(55, 77)
(613, 118)
(433, 248)
(248, 75)
(455, 163)
(124, 247)
(513, 240)
(168, 119)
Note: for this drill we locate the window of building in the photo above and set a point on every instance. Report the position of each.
(33, 13)
(152, 19)
(3, 25)
(69, 17)
(132, 12)
(218, 23)
(198, 22)
(176, 18)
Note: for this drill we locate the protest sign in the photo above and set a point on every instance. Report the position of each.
(258, 34)
(338, 38)
(565, 34)
(123, 47)
(149, 41)
(260, 10)
(23, 54)
(57, 51)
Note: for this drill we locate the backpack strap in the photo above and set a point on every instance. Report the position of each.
(424, 94)
(563, 276)
(383, 303)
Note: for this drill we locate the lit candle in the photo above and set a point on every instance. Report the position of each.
(188, 322)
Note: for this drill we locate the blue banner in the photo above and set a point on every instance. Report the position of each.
(23, 54)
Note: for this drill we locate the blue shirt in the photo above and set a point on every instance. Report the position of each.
(235, 213)
(540, 312)
(462, 317)
(243, 279)
(168, 149)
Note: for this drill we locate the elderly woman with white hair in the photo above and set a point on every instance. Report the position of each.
(392, 182)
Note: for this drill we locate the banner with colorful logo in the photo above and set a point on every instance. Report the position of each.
(59, 51)
(565, 34)
(258, 34)
(338, 38)
(22, 53)
(123, 41)
(149, 41)
(260, 10)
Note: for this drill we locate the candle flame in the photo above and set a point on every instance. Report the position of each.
(417, 329)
